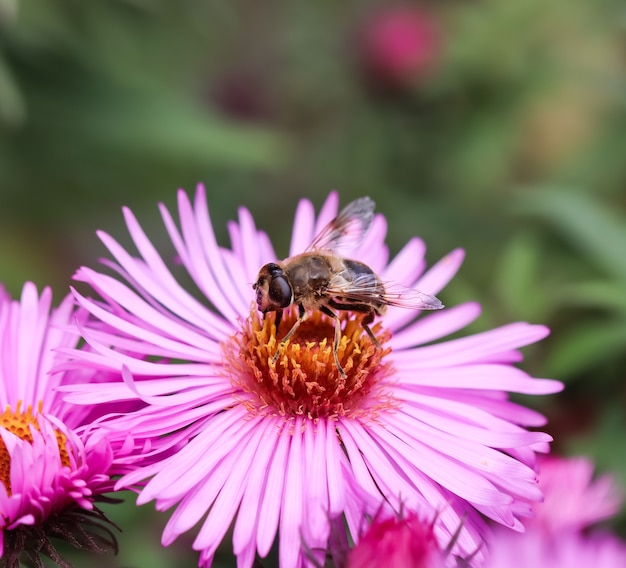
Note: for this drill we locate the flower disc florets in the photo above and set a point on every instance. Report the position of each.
(300, 376)
(20, 424)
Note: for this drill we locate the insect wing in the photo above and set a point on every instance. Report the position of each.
(367, 290)
(403, 297)
(347, 230)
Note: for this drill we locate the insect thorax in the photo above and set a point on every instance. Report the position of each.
(309, 273)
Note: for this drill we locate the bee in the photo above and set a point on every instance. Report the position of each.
(321, 279)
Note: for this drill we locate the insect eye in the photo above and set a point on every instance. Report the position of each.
(280, 291)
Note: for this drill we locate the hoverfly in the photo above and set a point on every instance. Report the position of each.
(321, 279)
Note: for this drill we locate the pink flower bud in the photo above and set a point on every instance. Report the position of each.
(402, 542)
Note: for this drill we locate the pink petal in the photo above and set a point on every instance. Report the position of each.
(441, 273)
(436, 325)
(407, 265)
(473, 348)
(272, 498)
(302, 234)
(328, 211)
(492, 377)
(289, 549)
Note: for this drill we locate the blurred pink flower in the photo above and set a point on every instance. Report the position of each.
(554, 537)
(238, 439)
(400, 45)
(573, 500)
(537, 549)
(45, 467)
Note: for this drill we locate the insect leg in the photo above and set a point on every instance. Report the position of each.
(301, 316)
(363, 308)
(333, 315)
(277, 319)
(369, 318)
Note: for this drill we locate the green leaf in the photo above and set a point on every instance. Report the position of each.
(588, 225)
(585, 346)
(8, 11)
(12, 105)
(175, 129)
(603, 294)
(516, 277)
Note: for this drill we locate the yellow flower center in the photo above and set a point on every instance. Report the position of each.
(19, 423)
(304, 379)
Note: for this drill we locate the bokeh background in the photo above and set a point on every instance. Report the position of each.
(496, 126)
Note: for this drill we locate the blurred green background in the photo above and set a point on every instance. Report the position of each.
(499, 127)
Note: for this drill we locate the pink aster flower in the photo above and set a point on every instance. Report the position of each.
(274, 445)
(49, 476)
(554, 538)
(573, 500)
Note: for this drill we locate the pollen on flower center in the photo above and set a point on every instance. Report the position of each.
(304, 378)
(19, 423)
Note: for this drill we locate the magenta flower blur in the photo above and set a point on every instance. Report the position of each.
(406, 540)
(49, 475)
(275, 446)
(401, 45)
